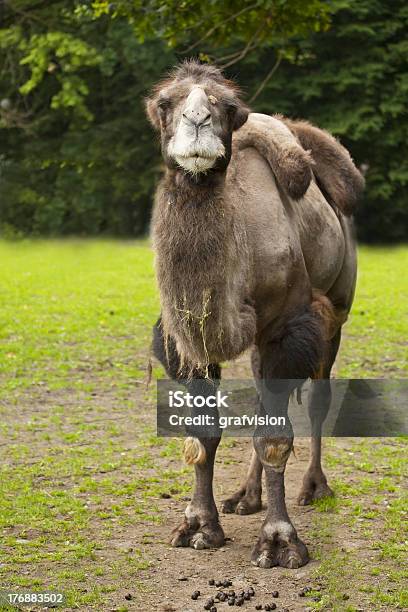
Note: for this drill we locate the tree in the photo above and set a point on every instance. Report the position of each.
(76, 154)
(353, 80)
(209, 27)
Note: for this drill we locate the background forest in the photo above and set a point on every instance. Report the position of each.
(77, 156)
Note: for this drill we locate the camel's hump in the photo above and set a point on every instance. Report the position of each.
(289, 162)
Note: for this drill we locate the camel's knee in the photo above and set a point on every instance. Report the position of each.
(198, 452)
(194, 451)
(273, 452)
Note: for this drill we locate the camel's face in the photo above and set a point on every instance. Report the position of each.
(196, 118)
(196, 143)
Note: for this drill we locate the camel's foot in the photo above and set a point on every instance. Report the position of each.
(198, 533)
(278, 544)
(314, 487)
(245, 501)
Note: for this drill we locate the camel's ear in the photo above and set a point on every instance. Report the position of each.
(152, 111)
(241, 115)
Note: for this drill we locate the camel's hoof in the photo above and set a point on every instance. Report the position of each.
(313, 490)
(248, 505)
(209, 536)
(283, 549)
(200, 540)
(228, 505)
(245, 504)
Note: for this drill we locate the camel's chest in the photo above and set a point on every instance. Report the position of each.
(203, 297)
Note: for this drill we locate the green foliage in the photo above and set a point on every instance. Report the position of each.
(76, 153)
(220, 24)
(353, 80)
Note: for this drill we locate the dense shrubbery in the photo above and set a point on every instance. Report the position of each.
(353, 80)
(77, 155)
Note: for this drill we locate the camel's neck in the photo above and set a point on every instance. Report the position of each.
(193, 190)
(201, 266)
(191, 226)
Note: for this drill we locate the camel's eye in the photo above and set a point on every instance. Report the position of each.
(163, 104)
(231, 109)
(231, 106)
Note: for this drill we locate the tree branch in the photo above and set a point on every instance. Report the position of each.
(267, 78)
(252, 43)
(218, 25)
(27, 14)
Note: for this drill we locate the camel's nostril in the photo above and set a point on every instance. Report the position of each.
(196, 117)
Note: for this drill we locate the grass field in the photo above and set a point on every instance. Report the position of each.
(81, 467)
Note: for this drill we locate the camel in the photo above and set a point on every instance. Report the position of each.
(254, 250)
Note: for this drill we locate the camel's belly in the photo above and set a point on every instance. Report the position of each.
(321, 238)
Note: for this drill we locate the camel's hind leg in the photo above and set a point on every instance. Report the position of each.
(248, 498)
(289, 355)
(314, 481)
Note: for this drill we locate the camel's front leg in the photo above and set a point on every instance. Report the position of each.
(200, 528)
(278, 543)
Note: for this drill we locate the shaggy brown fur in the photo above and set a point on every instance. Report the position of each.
(296, 348)
(332, 319)
(290, 163)
(337, 176)
(197, 309)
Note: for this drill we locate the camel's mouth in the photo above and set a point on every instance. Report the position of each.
(196, 162)
(195, 152)
(197, 155)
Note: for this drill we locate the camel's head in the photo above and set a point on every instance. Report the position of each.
(196, 111)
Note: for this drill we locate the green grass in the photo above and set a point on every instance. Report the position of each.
(78, 314)
(364, 527)
(74, 313)
(79, 461)
(375, 338)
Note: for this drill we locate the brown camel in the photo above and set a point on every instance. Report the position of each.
(253, 250)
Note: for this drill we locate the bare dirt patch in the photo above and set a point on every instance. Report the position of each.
(95, 495)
